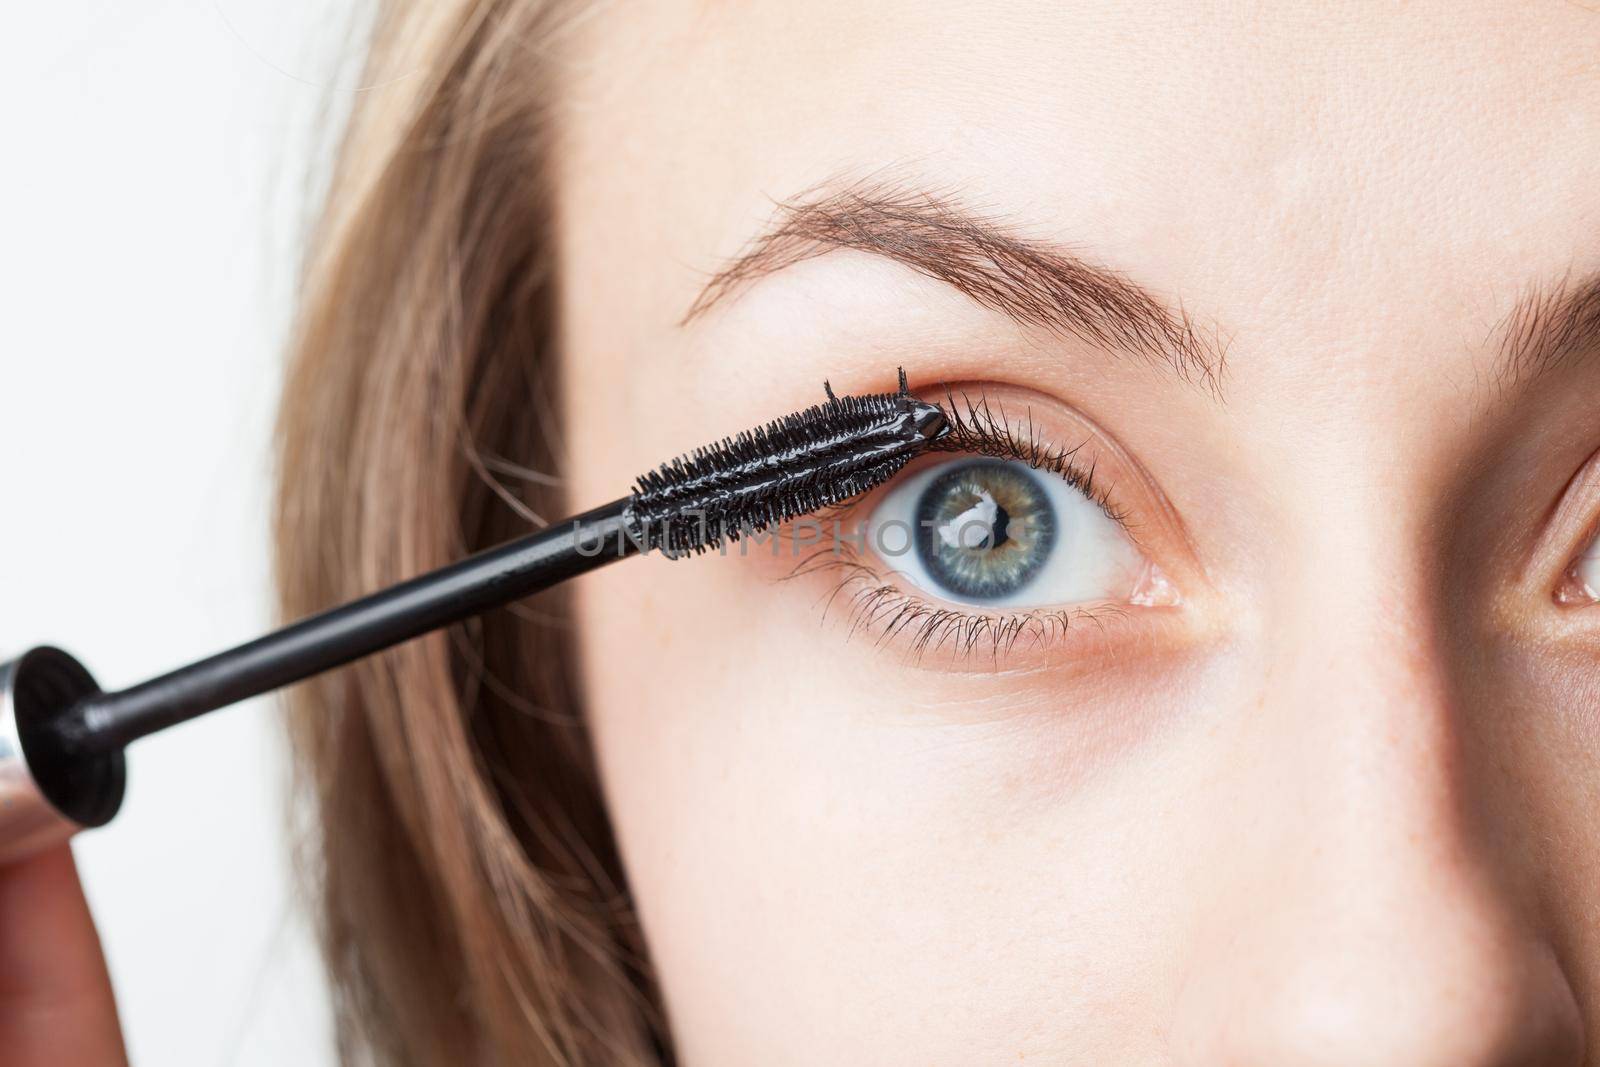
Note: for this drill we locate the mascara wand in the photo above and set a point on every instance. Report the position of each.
(62, 738)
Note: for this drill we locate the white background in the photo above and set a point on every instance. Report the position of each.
(153, 198)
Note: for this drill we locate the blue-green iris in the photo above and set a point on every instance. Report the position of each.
(984, 529)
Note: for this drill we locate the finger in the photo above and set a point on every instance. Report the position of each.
(56, 1005)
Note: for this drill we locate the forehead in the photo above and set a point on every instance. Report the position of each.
(1285, 170)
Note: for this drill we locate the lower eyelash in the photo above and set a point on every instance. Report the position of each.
(874, 604)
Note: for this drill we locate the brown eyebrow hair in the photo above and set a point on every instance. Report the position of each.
(1034, 284)
(1548, 328)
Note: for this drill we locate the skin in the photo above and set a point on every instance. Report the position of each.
(1335, 807)
(56, 1006)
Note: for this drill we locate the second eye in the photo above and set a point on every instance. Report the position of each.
(997, 533)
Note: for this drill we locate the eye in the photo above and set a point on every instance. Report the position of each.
(1581, 585)
(998, 533)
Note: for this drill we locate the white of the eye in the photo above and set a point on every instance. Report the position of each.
(1587, 570)
(973, 527)
(1092, 558)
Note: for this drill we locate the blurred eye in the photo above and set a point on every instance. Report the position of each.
(1582, 582)
(998, 533)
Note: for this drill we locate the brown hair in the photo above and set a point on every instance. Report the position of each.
(471, 902)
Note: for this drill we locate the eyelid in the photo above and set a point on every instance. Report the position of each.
(1035, 428)
(978, 428)
(878, 605)
(988, 421)
(1573, 525)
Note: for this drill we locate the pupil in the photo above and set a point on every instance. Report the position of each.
(997, 532)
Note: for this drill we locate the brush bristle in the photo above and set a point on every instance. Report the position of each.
(790, 467)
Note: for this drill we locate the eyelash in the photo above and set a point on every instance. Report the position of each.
(978, 429)
(874, 604)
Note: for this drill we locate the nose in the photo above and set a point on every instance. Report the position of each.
(1366, 916)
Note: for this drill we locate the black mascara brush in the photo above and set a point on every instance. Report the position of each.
(62, 738)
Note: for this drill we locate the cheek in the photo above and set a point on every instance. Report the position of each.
(826, 858)
(1541, 708)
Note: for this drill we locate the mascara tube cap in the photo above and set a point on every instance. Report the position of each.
(48, 794)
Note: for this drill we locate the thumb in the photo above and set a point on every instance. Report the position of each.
(56, 1006)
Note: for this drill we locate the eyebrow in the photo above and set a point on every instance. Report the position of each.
(1548, 328)
(1034, 284)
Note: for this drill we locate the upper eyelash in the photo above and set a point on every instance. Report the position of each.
(978, 428)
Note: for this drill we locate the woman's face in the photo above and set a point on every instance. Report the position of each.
(1278, 744)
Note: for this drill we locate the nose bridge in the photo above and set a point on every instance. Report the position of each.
(1360, 690)
(1374, 833)
(1385, 846)
(1362, 918)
